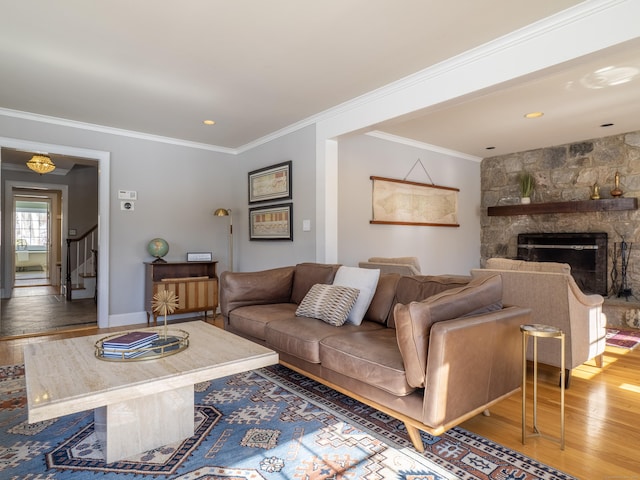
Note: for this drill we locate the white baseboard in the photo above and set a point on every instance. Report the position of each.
(124, 319)
(140, 318)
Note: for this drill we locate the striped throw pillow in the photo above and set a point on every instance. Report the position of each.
(329, 303)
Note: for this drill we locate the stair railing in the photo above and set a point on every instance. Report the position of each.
(83, 250)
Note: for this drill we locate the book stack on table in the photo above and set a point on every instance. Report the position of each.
(129, 345)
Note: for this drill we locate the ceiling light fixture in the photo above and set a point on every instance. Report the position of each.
(208, 122)
(41, 164)
(533, 115)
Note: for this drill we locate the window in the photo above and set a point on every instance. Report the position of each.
(32, 225)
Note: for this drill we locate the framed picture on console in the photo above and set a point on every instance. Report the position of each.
(273, 222)
(270, 183)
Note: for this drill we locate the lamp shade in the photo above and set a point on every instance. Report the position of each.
(41, 164)
(221, 212)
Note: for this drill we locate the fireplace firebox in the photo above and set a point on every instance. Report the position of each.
(585, 252)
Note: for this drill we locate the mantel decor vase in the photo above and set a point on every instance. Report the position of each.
(616, 191)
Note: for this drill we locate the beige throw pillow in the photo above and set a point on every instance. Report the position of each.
(329, 303)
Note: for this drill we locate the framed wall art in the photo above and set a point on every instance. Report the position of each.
(400, 202)
(270, 183)
(271, 223)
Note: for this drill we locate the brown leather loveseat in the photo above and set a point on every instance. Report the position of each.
(431, 351)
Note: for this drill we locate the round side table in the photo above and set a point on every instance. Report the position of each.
(540, 331)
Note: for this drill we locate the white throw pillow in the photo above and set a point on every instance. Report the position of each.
(365, 280)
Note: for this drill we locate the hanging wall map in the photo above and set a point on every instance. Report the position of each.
(400, 202)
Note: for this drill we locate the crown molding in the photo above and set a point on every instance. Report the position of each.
(36, 117)
(421, 145)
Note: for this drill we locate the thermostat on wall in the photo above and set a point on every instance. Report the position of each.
(127, 195)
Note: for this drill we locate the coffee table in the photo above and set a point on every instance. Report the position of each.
(140, 405)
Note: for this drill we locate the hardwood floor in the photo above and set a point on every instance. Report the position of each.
(602, 413)
(602, 408)
(37, 309)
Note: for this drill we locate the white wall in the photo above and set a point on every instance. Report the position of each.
(440, 249)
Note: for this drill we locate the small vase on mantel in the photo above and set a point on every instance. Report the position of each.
(525, 200)
(616, 191)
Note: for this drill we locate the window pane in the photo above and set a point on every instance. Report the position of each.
(31, 225)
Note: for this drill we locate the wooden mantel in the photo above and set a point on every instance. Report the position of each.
(603, 205)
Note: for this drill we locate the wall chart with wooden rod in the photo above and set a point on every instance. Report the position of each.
(402, 202)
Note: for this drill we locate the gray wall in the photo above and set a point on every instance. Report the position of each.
(439, 249)
(179, 187)
(299, 147)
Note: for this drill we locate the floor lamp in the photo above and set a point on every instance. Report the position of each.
(226, 212)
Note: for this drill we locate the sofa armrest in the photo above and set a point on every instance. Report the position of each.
(239, 289)
(588, 300)
(472, 362)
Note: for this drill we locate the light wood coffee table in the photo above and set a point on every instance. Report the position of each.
(139, 405)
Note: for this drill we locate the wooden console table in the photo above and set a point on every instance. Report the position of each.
(194, 283)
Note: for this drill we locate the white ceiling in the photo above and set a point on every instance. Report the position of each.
(256, 67)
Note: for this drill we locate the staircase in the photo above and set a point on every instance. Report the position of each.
(82, 266)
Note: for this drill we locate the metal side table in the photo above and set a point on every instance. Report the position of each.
(540, 331)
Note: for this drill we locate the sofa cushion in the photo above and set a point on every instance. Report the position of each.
(329, 303)
(307, 275)
(252, 320)
(301, 336)
(238, 289)
(420, 287)
(522, 265)
(382, 300)
(413, 321)
(372, 356)
(365, 280)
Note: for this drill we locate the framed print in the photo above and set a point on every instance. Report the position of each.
(270, 183)
(271, 223)
(399, 202)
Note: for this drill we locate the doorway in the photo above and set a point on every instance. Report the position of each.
(37, 246)
(14, 175)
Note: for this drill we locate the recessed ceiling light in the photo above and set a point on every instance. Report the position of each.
(533, 115)
(209, 122)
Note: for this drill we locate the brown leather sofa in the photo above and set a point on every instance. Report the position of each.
(432, 351)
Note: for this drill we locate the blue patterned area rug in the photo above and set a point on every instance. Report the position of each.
(267, 424)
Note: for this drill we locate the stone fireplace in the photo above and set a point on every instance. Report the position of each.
(585, 252)
(567, 173)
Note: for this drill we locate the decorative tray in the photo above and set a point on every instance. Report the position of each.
(165, 343)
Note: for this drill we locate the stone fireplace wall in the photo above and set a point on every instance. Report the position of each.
(566, 173)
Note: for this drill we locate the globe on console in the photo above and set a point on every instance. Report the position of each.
(158, 247)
